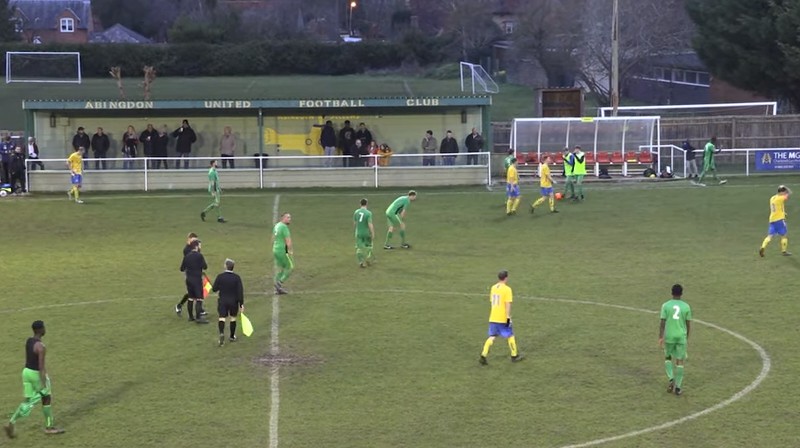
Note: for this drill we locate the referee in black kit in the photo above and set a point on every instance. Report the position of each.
(231, 299)
(193, 265)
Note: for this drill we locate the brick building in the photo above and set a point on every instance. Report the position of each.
(53, 21)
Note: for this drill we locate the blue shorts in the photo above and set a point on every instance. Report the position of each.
(76, 179)
(547, 191)
(512, 190)
(503, 330)
(777, 228)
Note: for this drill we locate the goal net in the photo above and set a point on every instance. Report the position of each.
(475, 78)
(695, 110)
(43, 66)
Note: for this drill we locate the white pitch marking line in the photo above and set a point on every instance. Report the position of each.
(274, 350)
(766, 361)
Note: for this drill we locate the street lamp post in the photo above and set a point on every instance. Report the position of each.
(615, 59)
(350, 20)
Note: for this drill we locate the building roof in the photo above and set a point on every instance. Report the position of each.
(119, 34)
(687, 60)
(42, 14)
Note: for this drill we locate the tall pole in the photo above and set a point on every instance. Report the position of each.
(615, 59)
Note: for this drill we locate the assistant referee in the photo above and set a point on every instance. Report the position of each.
(231, 299)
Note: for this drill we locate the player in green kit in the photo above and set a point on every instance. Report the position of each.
(215, 190)
(510, 158)
(673, 334)
(395, 214)
(365, 234)
(708, 163)
(282, 252)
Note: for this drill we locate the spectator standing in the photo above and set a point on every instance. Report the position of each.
(429, 147)
(129, 142)
(81, 140)
(6, 149)
(327, 139)
(33, 154)
(227, 147)
(355, 153)
(160, 148)
(347, 139)
(449, 146)
(185, 137)
(385, 153)
(148, 139)
(473, 143)
(100, 144)
(691, 163)
(17, 170)
(364, 134)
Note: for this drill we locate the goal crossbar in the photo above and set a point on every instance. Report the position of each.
(606, 111)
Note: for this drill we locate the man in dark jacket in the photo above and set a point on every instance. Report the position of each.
(364, 134)
(327, 139)
(160, 148)
(474, 143)
(81, 140)
(347, 139)
(193, 265)
(185, 137)
(17, 170)
(691, 163)
(231, 299)
(6, 149)
(148, 138)
(449, 145)
(100, 144)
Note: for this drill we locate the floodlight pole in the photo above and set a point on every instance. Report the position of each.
(615, 59)
(353, 4)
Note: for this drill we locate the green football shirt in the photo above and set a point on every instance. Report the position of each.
(213, 180)
(507, 161)
(398, 205)
(362, 217)
(281, 233)
(676, 313)
(708, 152)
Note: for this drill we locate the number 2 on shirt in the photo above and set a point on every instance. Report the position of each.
(677, 314)
(495, 299)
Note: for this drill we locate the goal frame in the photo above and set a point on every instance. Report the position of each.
(606, 111)
(490, 87)
(9, 79)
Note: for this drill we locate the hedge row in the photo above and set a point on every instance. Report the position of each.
(253, 58)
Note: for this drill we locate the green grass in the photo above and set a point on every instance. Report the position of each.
(512, 101)
(387, 356)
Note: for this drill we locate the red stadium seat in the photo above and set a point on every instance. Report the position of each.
(630, 157)
(646, 157)
(533, 158)
(558, 159)
(589, 158)
(602, 157)
(521, 157)
(616, 157)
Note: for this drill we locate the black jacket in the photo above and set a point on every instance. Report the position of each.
(186, 137)
(347, 136)
(193, 265)
(365, 136)
(328, 137)
(230, 288)
(449, 145)
(100, 143)
(689, 150)
(129, 144)
(148, 146)
(474, 143)
(81, 141)
(17, 164)
(160, 146)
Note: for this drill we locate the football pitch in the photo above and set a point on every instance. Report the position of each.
(387, 356)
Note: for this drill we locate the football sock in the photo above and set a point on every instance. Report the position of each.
(190, 308)
(221, 325)
(552, 203)
(233, 328)
(579, 184)
(678, 376)
(369, 253)
(766, 242)
(668, 368)
(359, 256)
(538, 202)
(389, 235)
(512, 344)
(486, 346)
(48, 416)
(402, 236)
(509, 205)
(69, 192)
(77, 193)
(515, 204)
(784, 244)
(184, 299)
(284, 275)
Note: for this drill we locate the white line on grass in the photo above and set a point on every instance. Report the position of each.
(274, 351)
(766, 361)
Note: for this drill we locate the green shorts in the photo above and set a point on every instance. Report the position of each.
(32, 384)
(675, 350)
(363, 242)
(215, 196)
(394, 220)
(283, 260)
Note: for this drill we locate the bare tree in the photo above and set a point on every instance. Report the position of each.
(149, 77)
(470, 24)
(116, 73)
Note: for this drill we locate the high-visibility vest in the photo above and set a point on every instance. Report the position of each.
(580, 164)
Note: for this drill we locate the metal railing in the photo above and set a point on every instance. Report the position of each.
(259, 172)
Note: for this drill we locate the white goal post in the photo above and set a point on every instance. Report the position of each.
(43, 66)
(769, 107)
(478, 77)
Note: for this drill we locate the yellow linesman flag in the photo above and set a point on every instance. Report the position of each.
(247, 326)
(206, 286)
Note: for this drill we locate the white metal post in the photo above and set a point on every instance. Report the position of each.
(625, 159)
(146, 180)
(539, 142)
(489, 168)
(375, 161)
(596, 167)
(747, 163)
